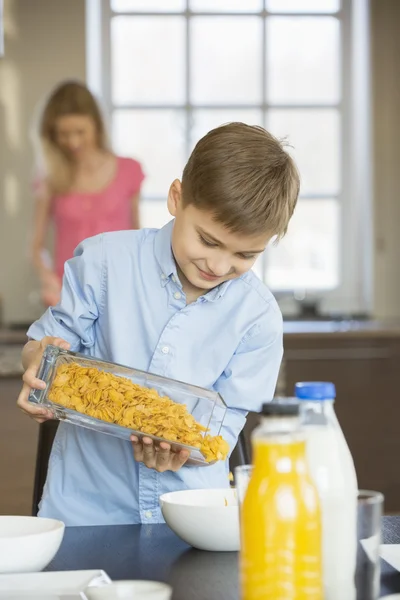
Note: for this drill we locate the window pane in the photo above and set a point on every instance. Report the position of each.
(302, 6)
(226, 60)
(148, 5)
(226, 5)
(307, 258)
(314, 137)
(154, 213)
(156, 139)
(303, 60)
(206, 119)
(148, 60)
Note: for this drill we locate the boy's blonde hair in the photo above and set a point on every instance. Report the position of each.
(68, 98)
(245, 177)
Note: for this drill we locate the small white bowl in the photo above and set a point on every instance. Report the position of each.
(202, 519)
(130, 590)
(28, 544)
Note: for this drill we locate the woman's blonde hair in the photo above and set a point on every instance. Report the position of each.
(68, 98)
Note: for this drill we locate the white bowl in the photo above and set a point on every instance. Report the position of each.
(129, 590)
(28, 544)
(202, 519)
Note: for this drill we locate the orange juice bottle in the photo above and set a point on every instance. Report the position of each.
(281, 545)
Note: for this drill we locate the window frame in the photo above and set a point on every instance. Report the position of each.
(354, 293)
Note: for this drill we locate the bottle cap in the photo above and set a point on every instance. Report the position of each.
(315, 390)
(281, 409)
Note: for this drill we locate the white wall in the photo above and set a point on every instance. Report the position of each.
(44, 43)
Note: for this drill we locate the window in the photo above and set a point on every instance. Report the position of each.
(171, 70)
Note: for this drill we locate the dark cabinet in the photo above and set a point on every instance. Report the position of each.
(365, 367)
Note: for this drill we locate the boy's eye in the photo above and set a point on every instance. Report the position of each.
(207, 243)
(247, 256)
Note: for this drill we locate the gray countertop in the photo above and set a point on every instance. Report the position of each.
(291, 327)
(342, 328)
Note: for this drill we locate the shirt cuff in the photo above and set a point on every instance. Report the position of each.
(47, 325)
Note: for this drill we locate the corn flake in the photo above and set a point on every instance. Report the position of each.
(117, 400)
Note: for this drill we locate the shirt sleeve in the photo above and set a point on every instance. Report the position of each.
(81, 298)
(250, 377)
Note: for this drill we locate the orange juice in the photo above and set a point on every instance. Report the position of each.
(281, 555)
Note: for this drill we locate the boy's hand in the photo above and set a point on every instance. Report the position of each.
(32, 355)
(161, 458)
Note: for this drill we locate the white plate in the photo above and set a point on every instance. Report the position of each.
(53, 583)
(391, 553)
(39, 596)
(126, 590)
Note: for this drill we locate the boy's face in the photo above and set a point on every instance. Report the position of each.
(206, 253)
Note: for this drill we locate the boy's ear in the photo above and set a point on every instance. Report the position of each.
(174, 197)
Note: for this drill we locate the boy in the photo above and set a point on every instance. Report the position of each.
(180, 302)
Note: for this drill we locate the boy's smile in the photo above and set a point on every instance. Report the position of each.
(206, 252)
(208, 276)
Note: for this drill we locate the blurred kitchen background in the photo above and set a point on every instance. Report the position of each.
(323, 74)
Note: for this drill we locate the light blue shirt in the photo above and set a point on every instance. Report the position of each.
(122, 301)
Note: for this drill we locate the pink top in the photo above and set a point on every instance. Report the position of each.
(78, 216)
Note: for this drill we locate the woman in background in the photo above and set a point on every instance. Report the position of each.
(83, 188)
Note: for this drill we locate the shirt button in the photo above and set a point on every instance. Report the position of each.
(177, 295)
(165, 350)
(173, 278)
(148, 514)
(163, 276)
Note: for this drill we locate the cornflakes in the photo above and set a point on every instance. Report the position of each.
(117, 400)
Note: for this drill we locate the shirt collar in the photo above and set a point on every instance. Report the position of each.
(166, 262)
(217, 292)
(163, 253)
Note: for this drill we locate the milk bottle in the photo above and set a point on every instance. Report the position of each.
(332, 469)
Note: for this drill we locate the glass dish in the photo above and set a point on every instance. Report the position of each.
(206, 406)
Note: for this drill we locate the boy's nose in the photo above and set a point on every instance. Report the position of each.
(219, 268)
